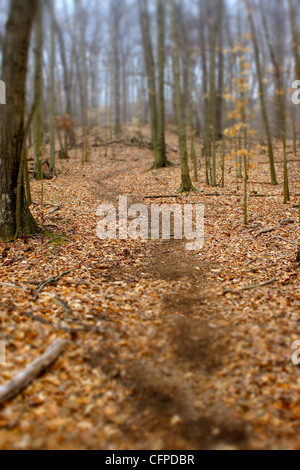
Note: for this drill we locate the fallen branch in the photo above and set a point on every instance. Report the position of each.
(272, 229)
(266, 230)
(162, 196)
(56, 209)
(52, 280)
(287, 241)
(128, 143)
(208, 195)
(36, 318)
(12, 261)
(19, 383)
(252, 286)
(65, 306)
(111, 142)
(44, 204)
(6, 284)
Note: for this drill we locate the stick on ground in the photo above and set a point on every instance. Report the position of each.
(56, 209)
(19, 383)
(252, 286)
(286, 241)
(272, 229)
(52, 280)
(6, 284)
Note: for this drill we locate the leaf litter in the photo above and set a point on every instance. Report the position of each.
(169, 349)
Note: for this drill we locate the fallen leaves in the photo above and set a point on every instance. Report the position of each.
(139, 374)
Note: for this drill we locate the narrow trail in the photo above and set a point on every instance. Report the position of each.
(168, 388)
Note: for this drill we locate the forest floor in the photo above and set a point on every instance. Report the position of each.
(166, 351)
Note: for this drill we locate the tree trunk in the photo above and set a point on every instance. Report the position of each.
(38, 93)
(186, 184)
(84, 82)
(115, 25)
(14, 72)
(212, 88)
(220, 92)
(161, 158)
(67, 77)
(52, 92)
(203, 44)
(188, 92)
(295, 36)
(280, 94)
(264, 111)
(150, 69)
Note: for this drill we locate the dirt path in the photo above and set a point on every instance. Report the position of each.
(167, 388)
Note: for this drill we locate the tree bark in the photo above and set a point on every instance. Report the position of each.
(264, 111)
(187, 90)
(115, 35)
(280, 94)
(150, 69)
(295, 36)
(38, 93)
(186, 183)
(220, 92)
(52, 92)
(84, 82)
(14, 72)
(161, 160)
(67, 77)
(212, 87)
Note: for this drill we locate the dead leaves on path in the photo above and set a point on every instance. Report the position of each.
(160, 358)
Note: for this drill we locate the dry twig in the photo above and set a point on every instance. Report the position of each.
(19, 383)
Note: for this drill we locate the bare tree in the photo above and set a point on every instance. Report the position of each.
(38, 93)
(52, 91)
(115, 20)
(161, 159)
(186, 183)
(150, 69)
(83, 72)
(14, 209)
(264, 111)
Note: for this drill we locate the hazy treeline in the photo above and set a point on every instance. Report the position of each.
(99, 46)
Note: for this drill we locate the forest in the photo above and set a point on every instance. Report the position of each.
(149, 226)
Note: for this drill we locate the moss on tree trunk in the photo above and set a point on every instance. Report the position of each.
(8, 219)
